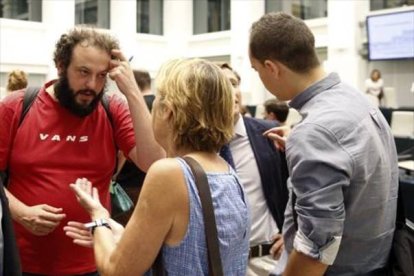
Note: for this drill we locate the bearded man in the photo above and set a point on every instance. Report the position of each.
(67, 134)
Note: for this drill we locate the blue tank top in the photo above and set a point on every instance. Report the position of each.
(233, 224)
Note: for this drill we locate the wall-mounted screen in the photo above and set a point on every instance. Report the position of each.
(391, 36)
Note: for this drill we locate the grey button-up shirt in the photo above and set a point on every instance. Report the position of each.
(344, 171)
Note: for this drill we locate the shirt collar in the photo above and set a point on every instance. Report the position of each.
(316, 88)
(240, 128)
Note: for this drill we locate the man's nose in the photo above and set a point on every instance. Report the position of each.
(92, 83)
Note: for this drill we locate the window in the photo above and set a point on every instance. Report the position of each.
(305, 9)
(30, 10)
(149, 16)
(211, 16)
(386, 4)
(92, 12)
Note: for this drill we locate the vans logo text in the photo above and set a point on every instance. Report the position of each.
(58, 138)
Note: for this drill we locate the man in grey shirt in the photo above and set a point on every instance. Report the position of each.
(341, 157)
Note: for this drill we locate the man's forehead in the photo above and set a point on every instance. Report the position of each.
(90, 56)
(229, 73)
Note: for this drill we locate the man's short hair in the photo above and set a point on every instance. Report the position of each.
(225, 65)
(279, 108)
(143, 79)
(85, 35)
(285, 38)
(201, 99)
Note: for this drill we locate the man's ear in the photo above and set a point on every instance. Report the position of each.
(60, 68)
(273, 67)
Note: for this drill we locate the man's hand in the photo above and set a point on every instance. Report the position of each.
(122, 73)
(42, 219)
(278, 246)
(278, 135)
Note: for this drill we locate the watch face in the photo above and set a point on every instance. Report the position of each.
(96, 223)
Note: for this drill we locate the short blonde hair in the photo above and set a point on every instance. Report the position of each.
(200, 97)
(17, 79)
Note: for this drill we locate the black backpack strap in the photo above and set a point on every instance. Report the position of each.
(29, 96)
(105, 104)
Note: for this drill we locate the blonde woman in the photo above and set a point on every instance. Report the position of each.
(374, 87)
(17, 79)
(192, 116)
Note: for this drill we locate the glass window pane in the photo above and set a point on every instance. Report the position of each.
(30, 10)
(92, 12)
(387, 4)
(274, 6)
(150, 16)
(305, 9)
(211, 16)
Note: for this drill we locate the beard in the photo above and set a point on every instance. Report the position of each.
(66, 96)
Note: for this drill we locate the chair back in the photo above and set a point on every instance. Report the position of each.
(390, 98)
(402, 123)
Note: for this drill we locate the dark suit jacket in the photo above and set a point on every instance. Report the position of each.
(11, 259)
(272, 167)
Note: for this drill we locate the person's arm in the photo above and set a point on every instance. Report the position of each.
(320, 170)
(40, 219)
(147, 150)
(300, 264)
(277, 247)
(163, 202)
(278, 135)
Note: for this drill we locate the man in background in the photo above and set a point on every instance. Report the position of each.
(262, 172)
(143, 79)
(276, 110)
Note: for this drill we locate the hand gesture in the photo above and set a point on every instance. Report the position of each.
(278, 246)
(83, 237)
(88, 198)
(122, 73)
(42, 219)
(278, 135)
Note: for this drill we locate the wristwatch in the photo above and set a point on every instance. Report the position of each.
(97, 223)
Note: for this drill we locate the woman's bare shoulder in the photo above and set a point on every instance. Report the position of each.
(164, 174)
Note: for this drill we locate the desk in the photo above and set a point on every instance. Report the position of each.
(387, 111)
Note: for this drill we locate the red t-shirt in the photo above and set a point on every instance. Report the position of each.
(51, 149)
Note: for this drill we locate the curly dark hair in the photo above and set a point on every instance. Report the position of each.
(86, 35)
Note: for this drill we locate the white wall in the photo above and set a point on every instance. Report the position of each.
(29, 45)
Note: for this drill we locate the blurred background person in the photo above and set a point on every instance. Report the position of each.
(143, 79)
(192, 116)
(374, 87)
(16, 80)
(276, 110)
